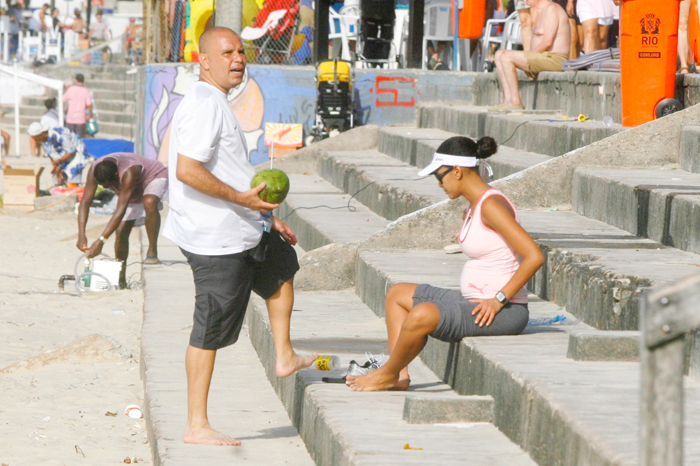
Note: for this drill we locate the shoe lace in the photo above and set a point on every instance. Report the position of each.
(374, 361)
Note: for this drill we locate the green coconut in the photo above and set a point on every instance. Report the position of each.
(277, 185)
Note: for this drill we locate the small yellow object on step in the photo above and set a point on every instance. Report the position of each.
(582, 118)
(409, 447)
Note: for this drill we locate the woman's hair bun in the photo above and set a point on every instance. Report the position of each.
(486, 147)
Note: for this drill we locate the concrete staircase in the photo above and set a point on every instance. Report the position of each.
(613, 210)
(114, 94)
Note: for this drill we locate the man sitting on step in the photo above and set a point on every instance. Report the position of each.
(549, 49)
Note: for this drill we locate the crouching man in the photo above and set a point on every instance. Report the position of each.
(140, 185)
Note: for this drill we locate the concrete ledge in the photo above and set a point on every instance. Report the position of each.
(317, 226)
(662, 204)
(386, 185)
(57, 203)
(422, 409)
(690, 149)
(594, 345)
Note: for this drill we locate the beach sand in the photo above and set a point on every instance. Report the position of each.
(69, 365)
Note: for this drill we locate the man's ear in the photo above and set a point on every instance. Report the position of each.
(204, 61)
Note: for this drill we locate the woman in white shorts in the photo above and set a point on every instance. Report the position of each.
(595, 16)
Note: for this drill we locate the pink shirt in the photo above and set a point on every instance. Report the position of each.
(78, 98)
(492, 261)
(150, 170)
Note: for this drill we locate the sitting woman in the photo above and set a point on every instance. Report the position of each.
(492, 299)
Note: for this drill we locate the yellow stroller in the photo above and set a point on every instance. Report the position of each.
(334, 99)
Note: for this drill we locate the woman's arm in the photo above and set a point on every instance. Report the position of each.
(497, 215)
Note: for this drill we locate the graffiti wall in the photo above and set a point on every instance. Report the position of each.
(283, 94)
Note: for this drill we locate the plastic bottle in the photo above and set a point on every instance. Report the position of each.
(86, 278)
(546, 320)
(327, 363)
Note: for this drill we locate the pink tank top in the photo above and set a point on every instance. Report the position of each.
(150, 170)
(492, 262)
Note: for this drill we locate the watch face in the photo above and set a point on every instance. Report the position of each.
(501, 297)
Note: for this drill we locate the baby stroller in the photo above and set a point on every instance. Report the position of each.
(334, 99)
(377, 32)
(273, 32)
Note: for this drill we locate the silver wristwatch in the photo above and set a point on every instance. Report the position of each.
(502, 298)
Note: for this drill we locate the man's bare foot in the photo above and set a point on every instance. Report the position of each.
(208, 436)
(286, 367)
(374, 381)
(151, 260)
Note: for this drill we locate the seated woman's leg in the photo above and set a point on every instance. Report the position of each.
(421, 321)
(398, 303)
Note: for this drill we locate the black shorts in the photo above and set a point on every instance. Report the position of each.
(223, 285)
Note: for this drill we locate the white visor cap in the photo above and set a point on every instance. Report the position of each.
(440, 160)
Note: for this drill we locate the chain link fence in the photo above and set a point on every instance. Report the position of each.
(273, 32)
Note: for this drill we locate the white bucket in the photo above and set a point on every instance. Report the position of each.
(110, 268)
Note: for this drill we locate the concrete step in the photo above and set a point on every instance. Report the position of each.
(599, 271)
(90, 72)
(416, 146)
(541, 133)
(690, 149)
(658, 203)
(127, 95)
(386, 185)
(342, 427)
(344, 222)
(542, 400)
(34, 105)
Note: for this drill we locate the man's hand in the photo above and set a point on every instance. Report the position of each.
(251, 200)
(486, 310)
(96, 249)
(82, 243)
(284, 230)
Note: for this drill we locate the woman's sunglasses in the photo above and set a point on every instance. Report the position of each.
(440, 176)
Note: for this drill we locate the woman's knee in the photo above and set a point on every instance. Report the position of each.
(401, 293)
(423, 317)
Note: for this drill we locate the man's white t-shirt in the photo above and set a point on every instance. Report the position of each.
(205, 129)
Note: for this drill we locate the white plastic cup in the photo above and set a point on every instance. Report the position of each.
(327, 363)
(608, 121)
(133, 411)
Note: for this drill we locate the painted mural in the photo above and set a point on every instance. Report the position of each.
(284, 94)
(277, 100)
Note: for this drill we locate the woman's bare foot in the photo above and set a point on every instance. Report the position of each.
(402, 385)
(287, 366)
(208, 436)
(374, 381)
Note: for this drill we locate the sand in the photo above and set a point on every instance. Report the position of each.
(69, 365)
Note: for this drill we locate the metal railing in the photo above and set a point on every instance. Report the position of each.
(35, 78)
(667, 314)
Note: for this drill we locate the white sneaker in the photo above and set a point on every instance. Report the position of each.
(373, 363)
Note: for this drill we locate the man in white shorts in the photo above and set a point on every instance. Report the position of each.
(140, 184)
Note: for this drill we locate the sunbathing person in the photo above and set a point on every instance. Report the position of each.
(492, 299)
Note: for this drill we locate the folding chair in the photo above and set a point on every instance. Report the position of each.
(375, 40)
(511, 36)
(437, 26)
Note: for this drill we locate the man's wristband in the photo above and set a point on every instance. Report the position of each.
(267, 215)
(103, 239)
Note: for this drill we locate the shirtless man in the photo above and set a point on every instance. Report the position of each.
(549, 49)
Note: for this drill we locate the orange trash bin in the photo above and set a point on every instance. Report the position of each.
(471, 19)
(648, 51)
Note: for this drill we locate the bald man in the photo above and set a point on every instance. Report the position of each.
(227, 233)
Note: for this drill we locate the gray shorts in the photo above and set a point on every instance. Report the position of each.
(457, 321)
(223, 285)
